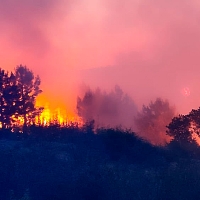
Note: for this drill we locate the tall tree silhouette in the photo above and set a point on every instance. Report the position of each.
(4, 117)
(9, 94)
(29, 88)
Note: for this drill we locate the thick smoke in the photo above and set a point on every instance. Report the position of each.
(148, 47)
(111, 109)
(23, 22)
(151, 46)
(156, 47)
(116, 109)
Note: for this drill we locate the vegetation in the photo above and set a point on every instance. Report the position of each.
(28, 87)
(76, 163)
(185, 128)
(71, 162)
(18, 92)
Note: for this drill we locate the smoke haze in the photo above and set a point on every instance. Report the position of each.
(111, 109)
(152, 120)
(150, 48)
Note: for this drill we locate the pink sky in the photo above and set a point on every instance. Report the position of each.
(151, 48)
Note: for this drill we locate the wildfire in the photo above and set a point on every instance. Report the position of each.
(56, 116)
(55, 113)
(50, 115)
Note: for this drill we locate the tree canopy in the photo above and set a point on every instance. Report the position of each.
(185, 128)
(18, 92)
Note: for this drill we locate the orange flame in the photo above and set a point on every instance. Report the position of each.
(55, 113)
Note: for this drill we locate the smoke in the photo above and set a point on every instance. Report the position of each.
(116, 109)
(148, 47)
(156, 49)
(21, 22)
(152, 120)
(111, 109)
(30, 36)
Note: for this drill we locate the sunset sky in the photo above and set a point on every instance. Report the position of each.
(150, 48)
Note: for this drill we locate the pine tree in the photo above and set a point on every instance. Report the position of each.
(29, 88)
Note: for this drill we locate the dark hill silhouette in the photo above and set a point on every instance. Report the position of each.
(77, 163)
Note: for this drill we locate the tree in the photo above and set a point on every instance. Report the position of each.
(185, 128)
(29, 88)
(4, 117)
(151, 122)
(179, 128)
(185, 131)
(9, 94)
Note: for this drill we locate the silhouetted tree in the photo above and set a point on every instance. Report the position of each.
(9, 94)
(29, 89)
(151, 122)
(179, 128)
(185, 132)
(185, 128)
(4, 118)
(194, 116)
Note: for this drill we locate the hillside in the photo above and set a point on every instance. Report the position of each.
(71, 164)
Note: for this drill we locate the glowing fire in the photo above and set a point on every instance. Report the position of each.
(58, 116)
(55, 113)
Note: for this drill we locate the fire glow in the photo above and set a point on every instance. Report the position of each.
(55, 113)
